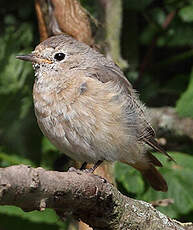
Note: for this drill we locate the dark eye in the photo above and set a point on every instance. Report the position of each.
(59, 56)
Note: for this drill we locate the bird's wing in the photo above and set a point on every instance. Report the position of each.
(105, 73)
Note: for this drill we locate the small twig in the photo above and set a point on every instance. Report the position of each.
(41, 21)
(168, 19)
(162, 203)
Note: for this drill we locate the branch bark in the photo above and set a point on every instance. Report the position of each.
(83, 195)
(167, 119)
(63, 16)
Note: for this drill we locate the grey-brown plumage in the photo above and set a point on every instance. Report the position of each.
(88, 109)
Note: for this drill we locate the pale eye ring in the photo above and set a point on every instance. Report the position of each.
(59, 56)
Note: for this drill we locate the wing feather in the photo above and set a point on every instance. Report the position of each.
(105, 73)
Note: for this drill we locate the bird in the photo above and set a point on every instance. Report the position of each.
(89, 110)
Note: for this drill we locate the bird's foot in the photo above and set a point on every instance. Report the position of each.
(90, 170)
(72, 169)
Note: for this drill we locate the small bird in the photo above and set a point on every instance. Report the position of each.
(88, 109)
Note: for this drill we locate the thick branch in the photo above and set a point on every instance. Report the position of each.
(83, 195)
(167, 119)
(63, 16)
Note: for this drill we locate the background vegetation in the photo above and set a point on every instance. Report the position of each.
(166, 80)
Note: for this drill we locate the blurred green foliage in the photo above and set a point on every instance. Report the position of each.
(184, 105)
(166, 81)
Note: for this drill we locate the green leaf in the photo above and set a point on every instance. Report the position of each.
(47, 145)
(14, 72)
(26, 104)
(184, 105)
(186, 13)
(13, 159)
(129, 178)
(47, 217)
(173, 36)
(35, 216)
(49, 153)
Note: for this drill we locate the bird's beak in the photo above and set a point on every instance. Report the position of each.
(33, 58)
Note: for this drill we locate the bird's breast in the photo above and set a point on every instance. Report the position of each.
(85, 117)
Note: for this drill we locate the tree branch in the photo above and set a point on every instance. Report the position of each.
(167, 119)
(84, 196)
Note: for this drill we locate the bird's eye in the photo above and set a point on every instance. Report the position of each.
(59, 56)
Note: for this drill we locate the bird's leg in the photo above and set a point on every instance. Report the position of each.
(91, 170)
(83, 166)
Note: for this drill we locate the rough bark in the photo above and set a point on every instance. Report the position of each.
(63, 16)
(72, 19)
(41, 10)
(168, 120)
(83, 195)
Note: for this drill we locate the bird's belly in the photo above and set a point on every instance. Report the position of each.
(88, 127)
(56, 134)
(82, 139)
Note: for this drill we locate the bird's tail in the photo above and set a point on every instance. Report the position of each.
(154, 178)
(150, 173)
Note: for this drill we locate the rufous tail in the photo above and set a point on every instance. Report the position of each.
(150, 173)
(154, 178)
